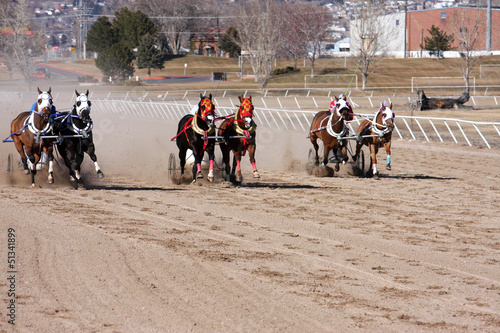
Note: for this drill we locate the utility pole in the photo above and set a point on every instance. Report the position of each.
(404, 37)
(488, 27)
(82, 19)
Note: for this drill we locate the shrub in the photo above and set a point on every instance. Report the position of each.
(87, 79)
(286, 70)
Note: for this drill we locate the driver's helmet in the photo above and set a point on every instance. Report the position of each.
(342, 96)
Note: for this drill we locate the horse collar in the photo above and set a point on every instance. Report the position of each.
(197, 128)
(83, 131)
(329, 128)
(30, 123)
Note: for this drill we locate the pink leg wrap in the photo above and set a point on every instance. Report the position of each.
(211, 165)
(254, 166)
(238, 167)
(199, 167)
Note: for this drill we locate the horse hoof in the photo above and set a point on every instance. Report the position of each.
(210, 179)
(388, 166)
(239, 179)
(375, 176)
(72, 179)
(256, 175)
(50, 180)
(26, 172)
(199, 175)
(33, 185)
(337, 168)
(100, 174)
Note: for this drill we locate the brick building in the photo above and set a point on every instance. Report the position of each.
(207, 43)
(418, 23)
(448, 19)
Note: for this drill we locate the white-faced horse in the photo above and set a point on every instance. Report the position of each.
(377, 133)
(27, 131)
(76, 129)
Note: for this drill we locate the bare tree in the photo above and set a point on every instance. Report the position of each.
(468, 26)
(292, 46)
(259, 36)
(308, 24)
(370, 36)
(19, 44)
(176, 19)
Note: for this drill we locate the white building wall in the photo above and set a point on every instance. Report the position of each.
(392, 34)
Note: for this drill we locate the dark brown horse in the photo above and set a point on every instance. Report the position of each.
(27, 130)
(377, 133)
(242, 126)
(75, 123)
(330, 127)
(192, 133)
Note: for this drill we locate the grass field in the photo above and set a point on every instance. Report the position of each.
(389, 72)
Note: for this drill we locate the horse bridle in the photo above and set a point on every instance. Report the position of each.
(385, 127)
(44, 102)
(245, 111)
(207, 109)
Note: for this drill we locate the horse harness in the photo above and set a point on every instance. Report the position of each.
(329, 127)
(206, 107)
(385, 129)
(68, 123)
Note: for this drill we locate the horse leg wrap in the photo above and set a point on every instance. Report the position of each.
(211, 171)
(31, 162)
(238, 166)
(388, 159)
(374, 169)
(199, 174)
(50, 178)
(255, 172)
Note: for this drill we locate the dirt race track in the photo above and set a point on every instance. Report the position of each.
(416, 251)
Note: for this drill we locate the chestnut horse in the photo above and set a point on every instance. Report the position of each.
(27, 130)
(331, 128)
(241, 125)
(72, 149)
(380, 128)
(193, 132)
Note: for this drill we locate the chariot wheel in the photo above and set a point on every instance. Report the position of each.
(171, 166)
(10, 163)
(360, 163)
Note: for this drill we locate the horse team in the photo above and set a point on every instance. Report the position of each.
(36, 131)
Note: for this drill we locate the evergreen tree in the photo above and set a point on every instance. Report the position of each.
(438, 42)
(149, 55)
(131, 26)
(228, 42)
(116, 61)
(101, 35)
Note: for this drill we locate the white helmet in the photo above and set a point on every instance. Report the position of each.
(341, 96)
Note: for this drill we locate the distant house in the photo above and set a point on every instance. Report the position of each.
(343, 45)
(207, 43)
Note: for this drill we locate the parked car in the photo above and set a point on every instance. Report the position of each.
(41, 73)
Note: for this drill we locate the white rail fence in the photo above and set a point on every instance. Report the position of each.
(481, 134)
(286, 99)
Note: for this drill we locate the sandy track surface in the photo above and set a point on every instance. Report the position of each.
(417, 250)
